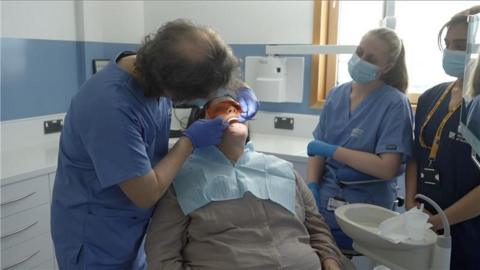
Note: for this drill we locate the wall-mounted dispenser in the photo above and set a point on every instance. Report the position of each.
(275, 79)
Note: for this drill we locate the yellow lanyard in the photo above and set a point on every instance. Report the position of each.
(438, 133)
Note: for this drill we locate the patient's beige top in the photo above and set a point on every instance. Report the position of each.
(247, 233)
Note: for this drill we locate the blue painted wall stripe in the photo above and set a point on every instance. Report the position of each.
(40, 77)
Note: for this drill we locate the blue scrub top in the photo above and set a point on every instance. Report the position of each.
(381, 123)
(112, 133)
(457, 173)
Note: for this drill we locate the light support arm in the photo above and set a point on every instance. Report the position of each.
(308, 49)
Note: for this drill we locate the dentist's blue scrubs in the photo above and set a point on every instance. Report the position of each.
(381, 123)
(112, 133)
(458, 175)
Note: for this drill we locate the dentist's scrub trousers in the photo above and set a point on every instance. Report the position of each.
(112, 133)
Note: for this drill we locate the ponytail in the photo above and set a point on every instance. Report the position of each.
(397, 76)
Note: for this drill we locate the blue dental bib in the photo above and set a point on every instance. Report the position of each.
(209, 176)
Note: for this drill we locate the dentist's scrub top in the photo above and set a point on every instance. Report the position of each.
(112, 133)
(381, 123)
(458, 175)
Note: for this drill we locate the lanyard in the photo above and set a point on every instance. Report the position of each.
(438, 134)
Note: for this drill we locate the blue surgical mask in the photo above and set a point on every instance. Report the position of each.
(454, 62)
(362, 71)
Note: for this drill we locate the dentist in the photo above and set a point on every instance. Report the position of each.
(114, 163)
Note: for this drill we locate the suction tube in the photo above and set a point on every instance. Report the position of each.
(446, 226)
(443, 246)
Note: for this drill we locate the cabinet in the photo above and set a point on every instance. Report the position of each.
(51, 180)
(22, 195)
(301, 168)
(25, 218)
(28, 254)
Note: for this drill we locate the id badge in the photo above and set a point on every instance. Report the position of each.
(334, 203)
(429, 176)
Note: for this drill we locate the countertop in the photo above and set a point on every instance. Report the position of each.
(27, 162)
(289, 147)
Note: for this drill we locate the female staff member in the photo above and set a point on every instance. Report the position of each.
(113, 163)
(441, 168)
(365, 131)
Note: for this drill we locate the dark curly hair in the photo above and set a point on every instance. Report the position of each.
(184, 61)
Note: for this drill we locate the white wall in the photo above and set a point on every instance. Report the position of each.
(38, 19)
(1, 27)
(240, 22)
(113, 21)
(102, 21)
(27, 132)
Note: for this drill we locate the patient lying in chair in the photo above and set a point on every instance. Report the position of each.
(233, 208)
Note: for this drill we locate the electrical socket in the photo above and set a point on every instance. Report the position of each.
(283, 122)
(52, 126)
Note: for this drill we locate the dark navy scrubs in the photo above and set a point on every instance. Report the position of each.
(457, 173)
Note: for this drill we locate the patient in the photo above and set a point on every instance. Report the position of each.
(233, 208)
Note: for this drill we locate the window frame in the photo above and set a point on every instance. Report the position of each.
(324, 66)
(325, 32)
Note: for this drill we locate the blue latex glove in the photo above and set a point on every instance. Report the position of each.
(249, 103)
(319, 148)
(315, 189)
(206, 132)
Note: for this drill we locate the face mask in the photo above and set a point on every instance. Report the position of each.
(361, 71)
(454, 62)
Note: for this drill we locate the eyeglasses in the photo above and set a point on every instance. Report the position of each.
(229, 109)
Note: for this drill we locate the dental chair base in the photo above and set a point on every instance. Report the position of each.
(398, 259)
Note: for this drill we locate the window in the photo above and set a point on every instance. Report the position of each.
(353, 24)
(423, 56)
(417, 24)
(323, 66)
(343, 23)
